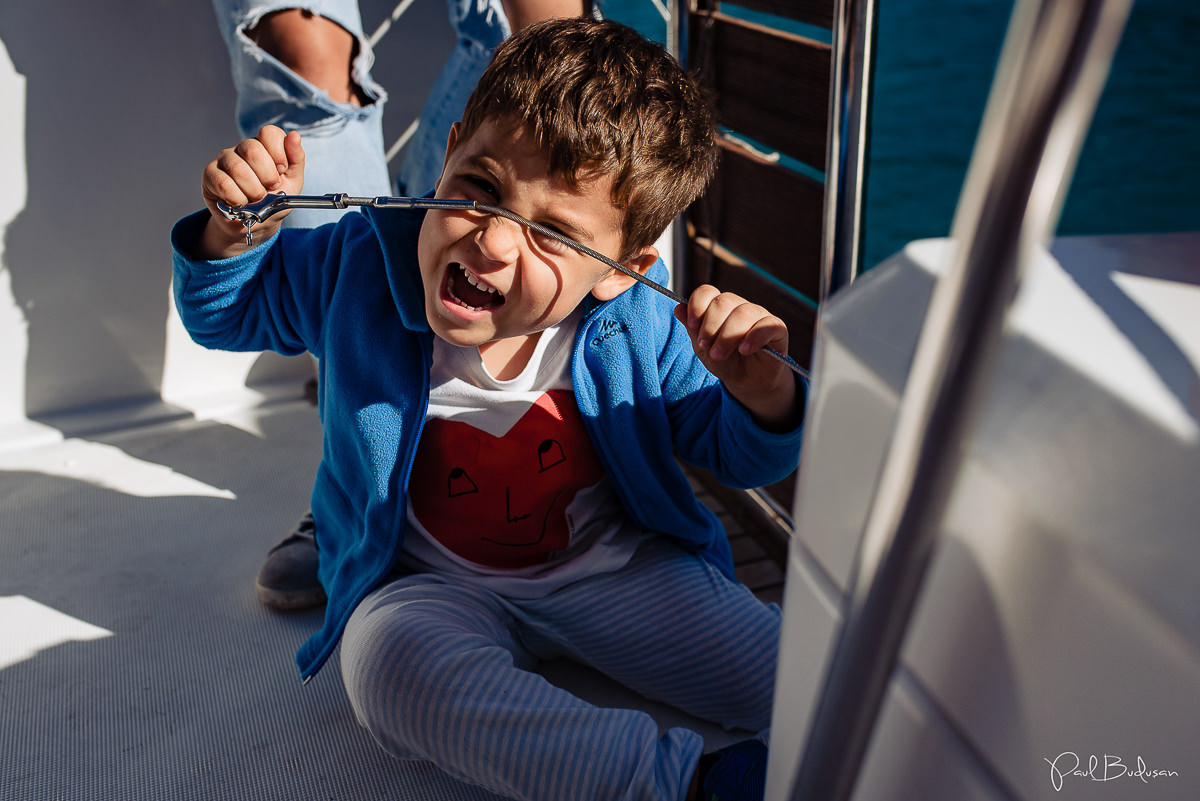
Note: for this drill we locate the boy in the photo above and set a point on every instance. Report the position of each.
(501, 417)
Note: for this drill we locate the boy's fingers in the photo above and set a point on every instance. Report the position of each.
(259, 166)
(762, 329)
(273, 139)
(285, 150)
(722, 321)
(294, 153)
(767, 331)
(216, 184)
(697, 305)
(703, 316)
(733, 331)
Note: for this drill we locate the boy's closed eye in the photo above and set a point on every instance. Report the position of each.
(482, 185)
(486, 187)
(562, 228)
(552, 245)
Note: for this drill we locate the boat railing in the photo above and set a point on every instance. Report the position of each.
(854, 34)
(781, 223)
(1053, 65)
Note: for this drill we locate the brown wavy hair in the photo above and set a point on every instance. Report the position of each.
(600, 99)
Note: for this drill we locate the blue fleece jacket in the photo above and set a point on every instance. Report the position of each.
(351, 294)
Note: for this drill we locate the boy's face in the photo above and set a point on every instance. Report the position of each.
(488, 278)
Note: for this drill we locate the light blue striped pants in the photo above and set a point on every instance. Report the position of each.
(440, 670)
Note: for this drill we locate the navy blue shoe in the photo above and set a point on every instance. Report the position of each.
(287, 580)
(736, 772)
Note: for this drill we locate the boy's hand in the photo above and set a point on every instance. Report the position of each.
(728, 334)
(244, 173)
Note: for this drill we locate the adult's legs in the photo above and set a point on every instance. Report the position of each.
(304, 65)
(480, 26)
(317, 49)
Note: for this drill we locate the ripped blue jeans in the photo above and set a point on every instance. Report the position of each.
(480, 26)
(343, 143)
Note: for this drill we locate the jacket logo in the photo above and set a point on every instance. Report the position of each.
(607, 329)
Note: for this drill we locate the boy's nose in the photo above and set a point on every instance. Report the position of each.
(499, 239)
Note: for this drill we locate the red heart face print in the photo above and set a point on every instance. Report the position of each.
(501, 501)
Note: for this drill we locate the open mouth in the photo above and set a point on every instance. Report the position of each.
(469, 291)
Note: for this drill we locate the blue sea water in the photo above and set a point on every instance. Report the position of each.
(1140, 167)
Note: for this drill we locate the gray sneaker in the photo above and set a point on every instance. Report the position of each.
(287, 580)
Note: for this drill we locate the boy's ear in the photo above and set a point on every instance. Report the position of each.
(617, 282)
(451, 141)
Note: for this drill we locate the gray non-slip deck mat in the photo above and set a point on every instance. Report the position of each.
(174, 682)
(195, 694)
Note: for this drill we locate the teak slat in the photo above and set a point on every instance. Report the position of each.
(813, 12)
(769, 85)
(768, 215)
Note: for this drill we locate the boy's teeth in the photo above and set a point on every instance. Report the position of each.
(475, 282)
(478, 287)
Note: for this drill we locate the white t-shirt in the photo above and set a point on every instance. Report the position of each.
(507, 489)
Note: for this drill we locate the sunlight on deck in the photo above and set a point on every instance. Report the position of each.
(109, 467)
(28, 627)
